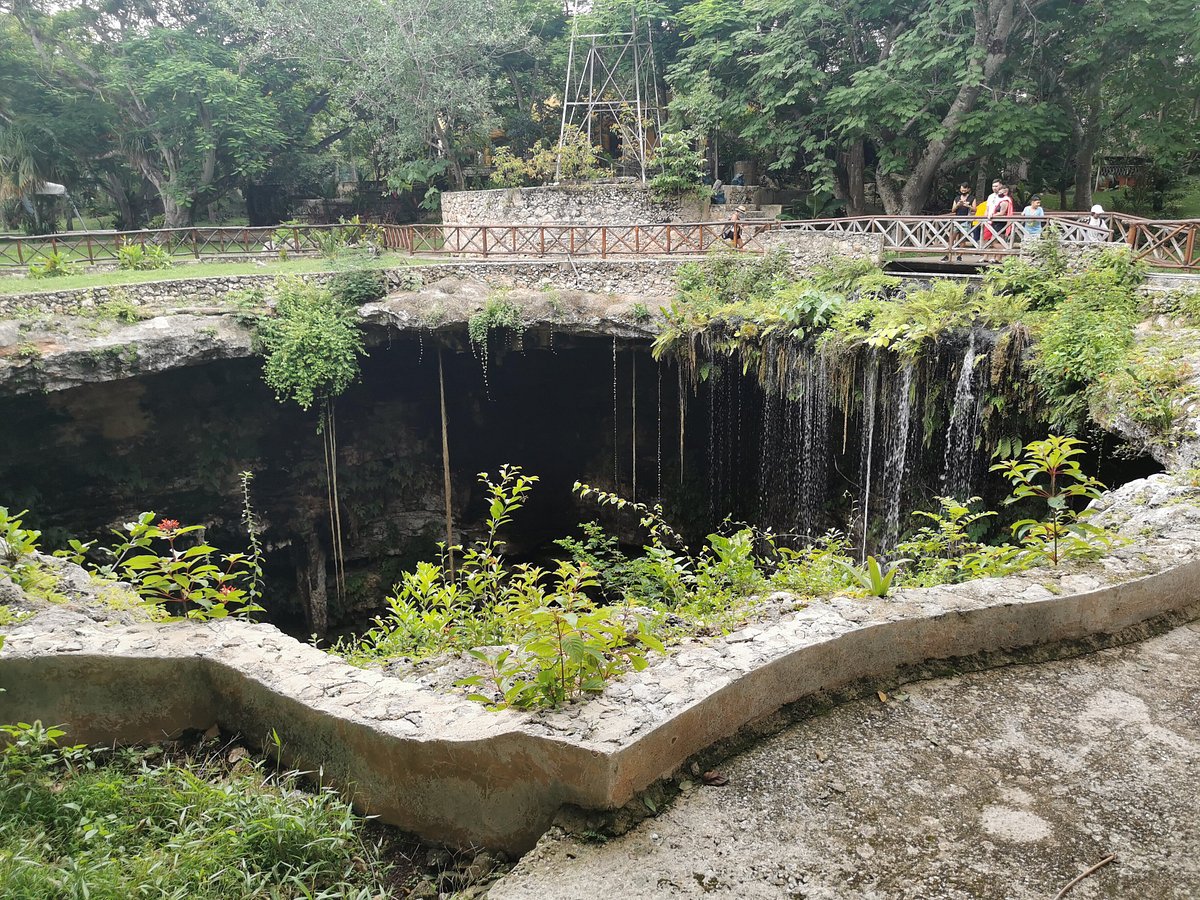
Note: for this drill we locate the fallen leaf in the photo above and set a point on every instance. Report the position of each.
(713, 778)
(883, 698)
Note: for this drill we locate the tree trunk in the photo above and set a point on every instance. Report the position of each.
(112, 185)
(175, 215)
(1085, 128)
(994, 21)
(313, 591)
(854, 160)
(889, 194)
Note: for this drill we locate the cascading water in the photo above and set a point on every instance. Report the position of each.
(870, 405)
(962, 431)
(851, 439)
(896, 453)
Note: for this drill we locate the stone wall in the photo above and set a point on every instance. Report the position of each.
(809, 249)
(583, 204)
(643, 276)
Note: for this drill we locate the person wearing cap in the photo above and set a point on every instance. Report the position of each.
(733, 231)
(1034, 211)
(1099, 225)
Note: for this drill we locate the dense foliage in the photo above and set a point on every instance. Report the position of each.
(141, 109)
(311, 344)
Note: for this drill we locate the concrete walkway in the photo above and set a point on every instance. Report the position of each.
(1003, 784)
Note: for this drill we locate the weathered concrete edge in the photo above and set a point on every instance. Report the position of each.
(502, 789)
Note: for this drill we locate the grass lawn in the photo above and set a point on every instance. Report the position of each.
(1112, 201)
(294, 266)
(173, 823)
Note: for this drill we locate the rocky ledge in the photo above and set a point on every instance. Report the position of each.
(446, 768)
(54, 352)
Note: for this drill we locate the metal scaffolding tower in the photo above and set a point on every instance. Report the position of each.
(611, 83)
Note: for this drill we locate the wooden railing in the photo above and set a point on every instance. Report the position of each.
(1163, 244)
(604, 241)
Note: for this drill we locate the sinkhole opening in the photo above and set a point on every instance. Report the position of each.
(803, 445)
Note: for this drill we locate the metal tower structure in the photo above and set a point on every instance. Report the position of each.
(611, 83)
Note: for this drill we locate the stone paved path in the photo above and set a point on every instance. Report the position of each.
(1002, 784)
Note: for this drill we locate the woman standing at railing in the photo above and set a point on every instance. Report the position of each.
(999, 233)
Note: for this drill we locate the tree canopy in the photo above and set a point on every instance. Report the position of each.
(173, 105)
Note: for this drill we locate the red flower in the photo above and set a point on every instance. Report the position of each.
(168, 525)
(227, 589)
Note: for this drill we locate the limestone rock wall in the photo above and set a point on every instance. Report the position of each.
(590, 204)
(810, 250)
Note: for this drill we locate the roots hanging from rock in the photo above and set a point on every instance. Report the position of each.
(329, 435)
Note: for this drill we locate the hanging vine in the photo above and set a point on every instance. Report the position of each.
(311, 348)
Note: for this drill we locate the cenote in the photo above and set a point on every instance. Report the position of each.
(791, 438)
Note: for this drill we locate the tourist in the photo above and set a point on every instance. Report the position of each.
(733, 231)
(999, 233)
(980, 216)
(961, 208)
(1033, 230)
(994, 197)
(1098, 232)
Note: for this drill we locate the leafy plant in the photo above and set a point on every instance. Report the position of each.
(141, 257)
(18, 558)
(541, 643)
(359, 286)
(55, 265)
(680, 164)
(186, 578)
(873, 577)
(311, 344)
(1050, 471)
(508, 169)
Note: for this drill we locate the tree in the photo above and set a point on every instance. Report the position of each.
(419, 75)
(188, 117)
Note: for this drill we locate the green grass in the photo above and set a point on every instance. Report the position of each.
(112, 825)
(294, 266)
(1113, 201)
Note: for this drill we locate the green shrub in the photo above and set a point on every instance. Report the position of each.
(359, 287)
(143, 257)
(311, 344)
(680, 165)
(182, 577)
(55, 265)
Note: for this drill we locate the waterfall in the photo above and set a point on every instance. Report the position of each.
(966, 416)
(870, 390)
(896, 455)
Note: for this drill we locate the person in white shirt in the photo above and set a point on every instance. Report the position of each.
(1099, 230)
(1033, 230)
(994, 196)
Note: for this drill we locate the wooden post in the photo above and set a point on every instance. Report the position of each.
(668, 238)
(541, 240)
(91, 256)
(195, 244)
(483, 231)
(603, 241)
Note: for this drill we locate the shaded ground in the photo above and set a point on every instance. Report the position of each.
(1003, 784)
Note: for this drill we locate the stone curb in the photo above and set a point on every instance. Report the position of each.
(447, 769)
